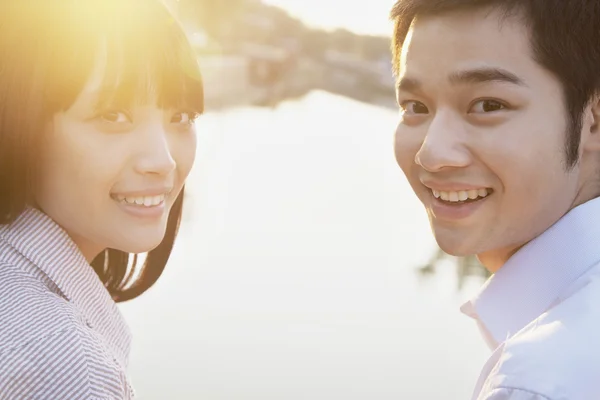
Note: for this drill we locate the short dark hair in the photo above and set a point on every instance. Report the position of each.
(48, 49)
(565, 39)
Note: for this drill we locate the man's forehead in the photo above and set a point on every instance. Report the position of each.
(480, 51)
(457, 23)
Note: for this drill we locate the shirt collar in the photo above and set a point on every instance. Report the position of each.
(43, 242)
(531, 280)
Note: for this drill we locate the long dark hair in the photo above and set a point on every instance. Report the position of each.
(48, 49)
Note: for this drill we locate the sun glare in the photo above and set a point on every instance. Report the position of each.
(371, 19)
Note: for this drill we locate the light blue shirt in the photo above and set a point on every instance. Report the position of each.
(540, 314)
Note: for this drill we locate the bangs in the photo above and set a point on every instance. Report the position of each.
(145, 55)
(152, 63)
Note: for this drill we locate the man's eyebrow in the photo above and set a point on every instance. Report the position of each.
(408, 84)
(485, 75)
(470, 76)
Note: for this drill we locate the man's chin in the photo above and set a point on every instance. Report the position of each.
(454, 244)
(455, 252)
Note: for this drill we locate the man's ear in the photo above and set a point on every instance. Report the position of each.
(591, 126)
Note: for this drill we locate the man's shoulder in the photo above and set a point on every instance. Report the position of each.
(559, 352)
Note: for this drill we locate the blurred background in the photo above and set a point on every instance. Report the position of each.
(305, 267)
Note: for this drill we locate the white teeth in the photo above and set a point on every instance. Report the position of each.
(462, 195)
(146, 201)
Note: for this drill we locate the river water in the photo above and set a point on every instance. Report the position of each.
(294, 276)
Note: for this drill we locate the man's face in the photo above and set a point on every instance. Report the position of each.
(482, 134)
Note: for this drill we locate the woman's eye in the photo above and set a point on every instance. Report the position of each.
(486, 106)
(115, 117)
(413, 108)
(183, 118)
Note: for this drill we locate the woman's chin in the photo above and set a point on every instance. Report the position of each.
(140, 246)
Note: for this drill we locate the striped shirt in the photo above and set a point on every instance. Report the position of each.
(61, 334)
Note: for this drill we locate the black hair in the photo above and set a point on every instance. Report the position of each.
(564, 36)
(48, 49)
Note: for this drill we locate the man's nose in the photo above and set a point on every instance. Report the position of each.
(444, 145)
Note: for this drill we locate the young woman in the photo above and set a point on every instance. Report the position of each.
(97, 104)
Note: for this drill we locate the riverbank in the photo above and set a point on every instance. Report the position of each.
(228, 83)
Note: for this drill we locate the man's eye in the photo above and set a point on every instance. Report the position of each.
(115, 117)
(486, 106)
(413, 108)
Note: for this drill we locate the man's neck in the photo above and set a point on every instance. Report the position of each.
(495, 259)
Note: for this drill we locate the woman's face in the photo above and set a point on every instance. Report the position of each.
(109, 177)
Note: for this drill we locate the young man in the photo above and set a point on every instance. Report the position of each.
(500, 139)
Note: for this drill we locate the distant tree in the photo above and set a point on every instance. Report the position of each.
(282, 26)
(314, 43)
(373, 47)
(343, 40)
(231, 23)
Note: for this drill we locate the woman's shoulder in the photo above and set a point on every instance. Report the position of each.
(47, 348)
(29, 309)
